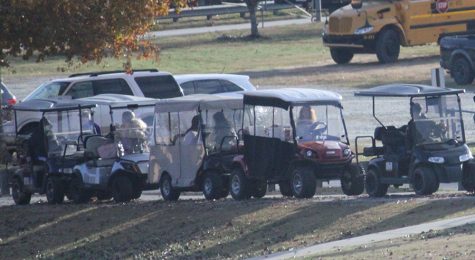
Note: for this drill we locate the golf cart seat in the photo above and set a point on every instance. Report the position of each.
(375, 150)
(92, 145)
(394, 140)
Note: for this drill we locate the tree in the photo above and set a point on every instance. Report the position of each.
(252, 6)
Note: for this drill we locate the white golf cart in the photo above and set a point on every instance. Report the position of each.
(195, 143)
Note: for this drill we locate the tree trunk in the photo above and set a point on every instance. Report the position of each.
(252, 6)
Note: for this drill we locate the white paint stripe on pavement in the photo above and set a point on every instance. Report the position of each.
(372, 238)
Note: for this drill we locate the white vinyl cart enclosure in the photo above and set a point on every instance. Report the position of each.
(117, 158)
(195, 142)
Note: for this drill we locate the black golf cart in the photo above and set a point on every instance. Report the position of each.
(293, 137)
(47, 156)
(428, 150)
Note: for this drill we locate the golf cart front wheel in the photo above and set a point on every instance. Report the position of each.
(373, 184)
(352, 180)
(425, 182)
(285, 189)
(239, 185)
(468, 177)
(54, 190)
(303, 182)
(167, 190)
(20, 196)
(260, 189)
(213, 186)
(122, 189)
(77, 192)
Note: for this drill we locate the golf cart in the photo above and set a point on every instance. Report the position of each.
(116, 163)
(427, 151)
(293, 137)
(46, 157)
(195, 143)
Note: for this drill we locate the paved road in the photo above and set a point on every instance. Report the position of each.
(220, 28)
(371, 238)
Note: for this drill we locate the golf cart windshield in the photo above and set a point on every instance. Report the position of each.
(319, 123)
(62, 130)
(133, 128)
(436, 119)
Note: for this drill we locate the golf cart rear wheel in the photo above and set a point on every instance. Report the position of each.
(213, 186)
(468, 177)
(374, 187)
(303, 182)
(167, 190)
(285, 189)
(352, 180)
(77, 193)
(20, 196)
(122, 189)
(239, 185)
(54, 190)
(425, 182)
(260, 189)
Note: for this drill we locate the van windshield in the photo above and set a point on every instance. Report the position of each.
(49, 90)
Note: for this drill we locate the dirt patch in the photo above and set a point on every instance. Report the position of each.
(201, 229)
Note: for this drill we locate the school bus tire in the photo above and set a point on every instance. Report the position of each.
(388, 46)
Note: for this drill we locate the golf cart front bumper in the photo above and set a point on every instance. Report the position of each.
(449, 173)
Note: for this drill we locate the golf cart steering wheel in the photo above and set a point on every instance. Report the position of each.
(318, 128)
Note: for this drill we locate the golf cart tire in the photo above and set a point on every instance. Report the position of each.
(468, 177)
(122, 189)
(20, 196)
(352, 180)
(54, 190)
(167, 190)
(260, 189)
(305, 178)
(77, 192)
(285, 189)
(137, 192)
(388, 46)
(239, 185)
(213, 186)
(341, 55)
(425, 182)
(374, 187)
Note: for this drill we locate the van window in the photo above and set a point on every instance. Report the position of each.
(188, 88)
(208, 87)
(48, 90)
(81, 90)
(163, 86)
(229, 86)
(112, 86)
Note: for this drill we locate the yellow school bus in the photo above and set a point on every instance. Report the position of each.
(382, 26)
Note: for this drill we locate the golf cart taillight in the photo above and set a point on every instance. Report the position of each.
(11, 101)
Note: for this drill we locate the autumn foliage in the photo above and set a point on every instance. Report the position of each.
(86, 29)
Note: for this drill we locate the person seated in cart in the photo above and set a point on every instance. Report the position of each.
(88, 125)
(307, 125)
(132, 133)
(37, 145)
(191, 135)
(223, 132)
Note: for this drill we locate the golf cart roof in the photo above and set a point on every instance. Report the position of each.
(201, 101)
(407, 90)
(117, 101)
(286, 97)
(52, 104)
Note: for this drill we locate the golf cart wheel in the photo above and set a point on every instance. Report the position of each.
(213, 186)
(260, 189)
(285, 189)
(167, 190)
(122, 189)
(137, 192)
(239, 185)
(20, 196)
(77, 192)
(425, 181)
(352, 180)
(461, 71)
(54, 190)
(374, 187)
(303, 182)
(468, 177)
(388, 46)
(341, 55)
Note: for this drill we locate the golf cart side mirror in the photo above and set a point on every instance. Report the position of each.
(356, 4)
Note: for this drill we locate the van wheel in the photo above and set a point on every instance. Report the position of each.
(303, 182)
(54, 190)
(167, 190)
(285, 189)
(341, 55)
(212, 186)
(122, 189)
(461, 71)
(425, 182)
(374, 187)
(20, 196)
(239, 186)
(77, 192)
(388, 46)
(260, 189)
(352, 180)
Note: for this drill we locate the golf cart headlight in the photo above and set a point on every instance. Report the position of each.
(436, 159)
(143, 167)
(364, 30)
(131, 167)
(465, 157)
(346, 152)
(309, 153)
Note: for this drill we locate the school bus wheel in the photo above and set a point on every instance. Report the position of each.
(388, 46)
(341, 55)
